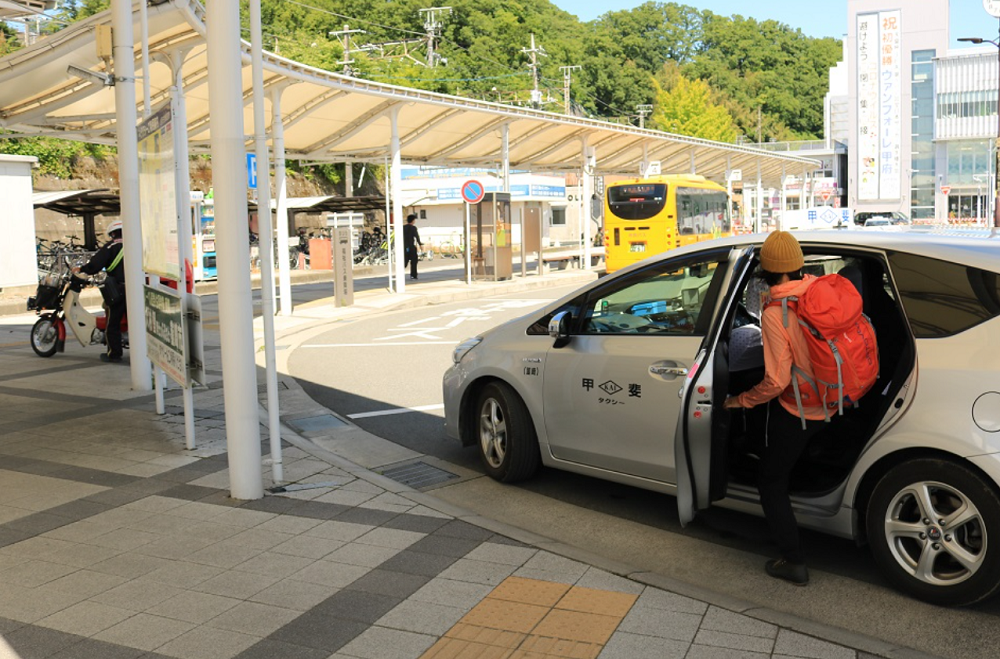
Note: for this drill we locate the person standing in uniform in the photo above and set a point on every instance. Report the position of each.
(411, 238)
(786, 433)
(110, 257)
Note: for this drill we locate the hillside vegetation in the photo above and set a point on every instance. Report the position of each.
(703, 74)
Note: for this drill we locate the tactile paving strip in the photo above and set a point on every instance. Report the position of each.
(524, 618)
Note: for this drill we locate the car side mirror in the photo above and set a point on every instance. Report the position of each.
(559, 328)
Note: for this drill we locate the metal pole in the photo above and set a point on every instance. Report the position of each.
(233, 245)
(144, 29)
(589, 166)
(184, 210)
(123, 44)
(759, 221)
(467, 243)
(388, 227)
(996, 146)
(281, 203)
(266, 242)
(397, 201)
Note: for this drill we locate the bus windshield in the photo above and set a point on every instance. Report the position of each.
(638, 201)
(702, 211)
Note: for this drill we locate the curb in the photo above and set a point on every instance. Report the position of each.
(792, 622)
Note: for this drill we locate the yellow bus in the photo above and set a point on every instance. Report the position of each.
(648, 216)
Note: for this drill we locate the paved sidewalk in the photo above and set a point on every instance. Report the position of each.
(117, 542)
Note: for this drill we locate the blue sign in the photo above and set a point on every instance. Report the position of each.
(252, 171)
(473, 192)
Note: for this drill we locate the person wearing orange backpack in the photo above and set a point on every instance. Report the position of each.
(787, 431)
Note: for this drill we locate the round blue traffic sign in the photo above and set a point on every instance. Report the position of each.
(473, 192)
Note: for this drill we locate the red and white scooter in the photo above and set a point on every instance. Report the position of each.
(57, 302)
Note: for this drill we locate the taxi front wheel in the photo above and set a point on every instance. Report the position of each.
(934, 529)
(508, 445)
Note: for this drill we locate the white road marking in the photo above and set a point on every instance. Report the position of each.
(380, 345)
(397, 410)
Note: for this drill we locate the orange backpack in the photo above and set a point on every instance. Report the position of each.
(843, 351)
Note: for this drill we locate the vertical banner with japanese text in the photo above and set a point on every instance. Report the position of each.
(157, 195)
(879, 105)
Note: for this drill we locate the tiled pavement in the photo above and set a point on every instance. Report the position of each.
(116, 542)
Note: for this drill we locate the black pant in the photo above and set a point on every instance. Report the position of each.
(113, 334)
(785, 442)
(410, 258)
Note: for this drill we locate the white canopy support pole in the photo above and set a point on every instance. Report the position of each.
(265, 227)
(123, 49)
(184, 209)
(232, 247)
(281, 204)
(397, 202)
(803, 200)
(390, 257)
(759, 221)
(144, 29)
(586, 186)
(505, 154)
(784, 197)
(645, 158)
(348, 179)
(729, 189)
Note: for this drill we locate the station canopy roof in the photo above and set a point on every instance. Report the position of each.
(329, 117)
(10, 9)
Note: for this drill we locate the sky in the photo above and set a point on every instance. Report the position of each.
(968, 18)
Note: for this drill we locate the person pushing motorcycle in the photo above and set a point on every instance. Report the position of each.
(110, 257)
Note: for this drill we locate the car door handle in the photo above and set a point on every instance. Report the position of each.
(656, 369)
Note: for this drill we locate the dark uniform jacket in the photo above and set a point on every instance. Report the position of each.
(104, 257)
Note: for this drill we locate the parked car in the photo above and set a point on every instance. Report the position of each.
(892, 218)
(624, 380)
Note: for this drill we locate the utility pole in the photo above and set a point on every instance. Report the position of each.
(533, 52)
(346, 43)
(567, 72)
(643, 110)
(433, 28)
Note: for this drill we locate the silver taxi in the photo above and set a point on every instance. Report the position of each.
(624, 380)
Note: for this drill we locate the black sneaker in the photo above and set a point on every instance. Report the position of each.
(105, 357)
(796, 573)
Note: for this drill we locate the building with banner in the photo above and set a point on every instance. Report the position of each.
(921, 118)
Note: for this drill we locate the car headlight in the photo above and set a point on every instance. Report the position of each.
(463, 348)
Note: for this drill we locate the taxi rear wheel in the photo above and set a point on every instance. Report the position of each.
(508, 445)
(934, 528)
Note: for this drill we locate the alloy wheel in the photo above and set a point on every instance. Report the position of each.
(935, 533)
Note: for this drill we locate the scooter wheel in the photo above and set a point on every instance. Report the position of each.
(45, 336)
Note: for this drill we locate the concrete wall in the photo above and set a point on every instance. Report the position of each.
(18, 266)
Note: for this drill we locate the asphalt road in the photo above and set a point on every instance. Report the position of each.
(384, 373)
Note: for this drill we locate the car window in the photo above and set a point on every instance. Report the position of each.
(941, 298)
(674, 299)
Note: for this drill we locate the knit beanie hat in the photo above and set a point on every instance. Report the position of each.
(781, 253)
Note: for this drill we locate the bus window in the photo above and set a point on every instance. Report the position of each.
(638, 201)
(701, 211)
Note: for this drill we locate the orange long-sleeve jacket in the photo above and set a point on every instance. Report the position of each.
(783, 346)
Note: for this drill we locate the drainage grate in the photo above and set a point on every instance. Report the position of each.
(418, 475)
(317, 423)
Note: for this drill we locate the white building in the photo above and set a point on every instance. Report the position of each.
(18, 266)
